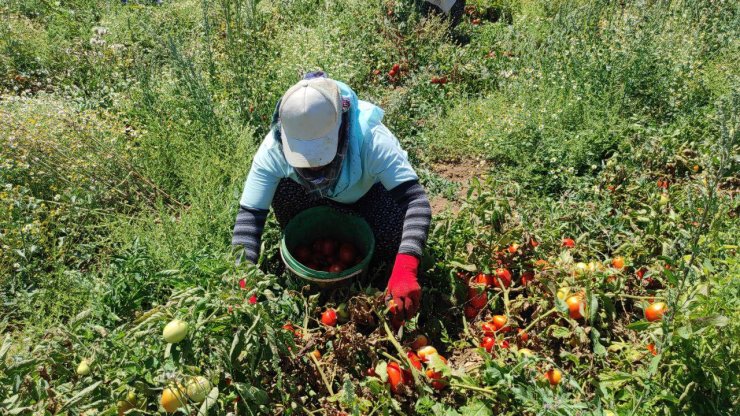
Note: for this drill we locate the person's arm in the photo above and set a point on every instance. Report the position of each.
(403, 286)
(250, 223)
(259, 189)
(389, 162)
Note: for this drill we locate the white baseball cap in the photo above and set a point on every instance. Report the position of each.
(310, 117)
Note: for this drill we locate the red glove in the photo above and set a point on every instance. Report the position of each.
(403, 288)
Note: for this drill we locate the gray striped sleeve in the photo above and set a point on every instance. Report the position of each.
(412, 199)
(248, 232)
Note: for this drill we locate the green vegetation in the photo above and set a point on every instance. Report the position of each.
(127, 132)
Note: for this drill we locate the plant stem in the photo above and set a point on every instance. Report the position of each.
(539, 318)
(474, 388)
(402, 354)
(321, 372)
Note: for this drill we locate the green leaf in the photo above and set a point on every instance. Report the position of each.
(711, 320)
(4, 350)
(476, 408)
(381, 371)
(559, 331)
(210, 400)
(467, 267)
(81, 395)
(598, 348)
(640, 325)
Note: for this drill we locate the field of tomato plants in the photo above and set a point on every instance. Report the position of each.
(581, 158)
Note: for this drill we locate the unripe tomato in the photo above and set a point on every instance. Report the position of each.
(316, 354)
(554, 376)
(420, 341)
(477, 296)
(198, 389)
(502, 278)
(513, 248)
(172, 398)
(83, 368)
(426, 352)
(342, 313)
(488, 343)
(175, 331)
(563, 293)
(655, 311)
(575, 307)
(499, 321)
(329, 317)
(618, 263)
(525, 352)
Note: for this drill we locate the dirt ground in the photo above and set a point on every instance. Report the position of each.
(458, 172)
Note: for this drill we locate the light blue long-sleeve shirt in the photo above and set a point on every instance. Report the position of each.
(374, 155)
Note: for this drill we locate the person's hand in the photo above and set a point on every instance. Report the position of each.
(403, 294)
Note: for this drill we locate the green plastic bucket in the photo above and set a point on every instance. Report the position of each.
(326, 222)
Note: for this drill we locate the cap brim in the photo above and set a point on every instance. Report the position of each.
(310, 153)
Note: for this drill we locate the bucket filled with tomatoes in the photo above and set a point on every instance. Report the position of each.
(325, 246)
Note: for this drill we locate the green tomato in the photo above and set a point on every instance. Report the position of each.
(175, 331)
(198, 388)
(83, 368)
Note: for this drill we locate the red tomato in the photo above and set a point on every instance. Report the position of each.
(302, 254)
(471, 312)
(651, 348)
(396, 67)
(317, 245)
(336, 268)
(488, 343)
(420, 341)
(655, 311)
(329, 317)
(641, 272)
(242, 283)
(395, 376)
(415, 360)
(253, 300)
(522, 335)
(489, 329)
(499, 321)
(477, 296)
(484, 279)
(347, 253)
(370, 372)
(313, 266)
(553, 376)
(329, 247)
(575, 307)
(527, 277)
(502, 278)
(569, 242)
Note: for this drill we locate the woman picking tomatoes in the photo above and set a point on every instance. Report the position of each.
(327, 147)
